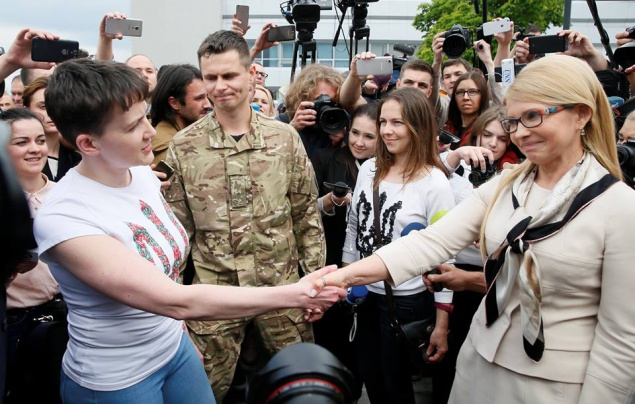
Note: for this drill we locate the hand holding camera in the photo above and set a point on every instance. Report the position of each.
(478, 176)
(437, 49)
(304, 116)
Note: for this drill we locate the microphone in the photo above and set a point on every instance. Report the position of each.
(405, 49)
(414, 226)
(616, 101)
(626, 108)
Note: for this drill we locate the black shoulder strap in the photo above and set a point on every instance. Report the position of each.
(389, 296)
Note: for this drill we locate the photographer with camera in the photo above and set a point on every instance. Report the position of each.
(313, 108)
(487, 133)
(447, 74)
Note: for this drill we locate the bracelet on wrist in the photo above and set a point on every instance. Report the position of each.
(335, 203)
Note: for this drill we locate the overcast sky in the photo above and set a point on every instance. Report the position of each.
(70, 19)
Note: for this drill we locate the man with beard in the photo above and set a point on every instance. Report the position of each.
(178, 101)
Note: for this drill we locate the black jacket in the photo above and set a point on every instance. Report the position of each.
(66, 160)
(330, 166)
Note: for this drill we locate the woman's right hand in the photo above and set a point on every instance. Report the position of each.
(102, 26)
(474, 155)
(304, 116)
(319, 301)
(353, 67)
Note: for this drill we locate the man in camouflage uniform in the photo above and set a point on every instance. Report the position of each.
(245, 191)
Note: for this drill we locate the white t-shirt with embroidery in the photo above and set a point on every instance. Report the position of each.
(113, 346)
(423, 201)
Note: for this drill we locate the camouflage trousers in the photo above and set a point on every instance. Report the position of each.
(219, 341)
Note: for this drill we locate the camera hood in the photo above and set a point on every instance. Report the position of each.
(302, 373)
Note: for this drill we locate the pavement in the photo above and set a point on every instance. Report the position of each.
(423, 392)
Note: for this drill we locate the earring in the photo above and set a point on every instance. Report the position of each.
(582, 131)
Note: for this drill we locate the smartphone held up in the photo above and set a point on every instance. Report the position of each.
(43, 50)
(124, 26)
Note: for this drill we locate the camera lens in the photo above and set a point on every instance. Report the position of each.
(626, 156)
(333, 120)
(302, 373)
(454, 46)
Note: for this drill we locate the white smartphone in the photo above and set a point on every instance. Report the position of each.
(242, 13)
(125, 27)
(494, 27)
(379, 66)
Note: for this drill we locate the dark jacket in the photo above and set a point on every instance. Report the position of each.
(66, 160)
(330, 166)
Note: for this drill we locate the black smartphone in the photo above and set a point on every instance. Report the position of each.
(438, 286)
(165, 168)
(547, 44)
(280, 34)
(43, 50)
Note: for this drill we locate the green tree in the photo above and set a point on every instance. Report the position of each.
(440, 15)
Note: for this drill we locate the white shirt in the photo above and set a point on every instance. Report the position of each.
(113, 346)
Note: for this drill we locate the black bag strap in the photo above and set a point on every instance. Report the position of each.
(378, 243)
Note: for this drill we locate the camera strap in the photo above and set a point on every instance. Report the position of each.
(394, 323)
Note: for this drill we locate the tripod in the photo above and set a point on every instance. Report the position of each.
(358, 30)
(306, 43)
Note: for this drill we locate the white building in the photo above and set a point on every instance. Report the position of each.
(173, 30)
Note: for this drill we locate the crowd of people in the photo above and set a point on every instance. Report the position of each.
(188, 228)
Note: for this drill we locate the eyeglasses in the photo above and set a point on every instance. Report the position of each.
(531, 119)
(262, 74)
(472, 92)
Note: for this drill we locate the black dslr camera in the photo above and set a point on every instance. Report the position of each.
(626, 157)
(478, 177)
(625, 54)
(456, 41)
(330, 118)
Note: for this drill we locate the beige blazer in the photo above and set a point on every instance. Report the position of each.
(588, 280)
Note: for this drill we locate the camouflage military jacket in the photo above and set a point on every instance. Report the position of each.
(249, 207)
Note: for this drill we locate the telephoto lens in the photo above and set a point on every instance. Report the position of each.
(456, 41)
(303, 373)
(331, 118)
